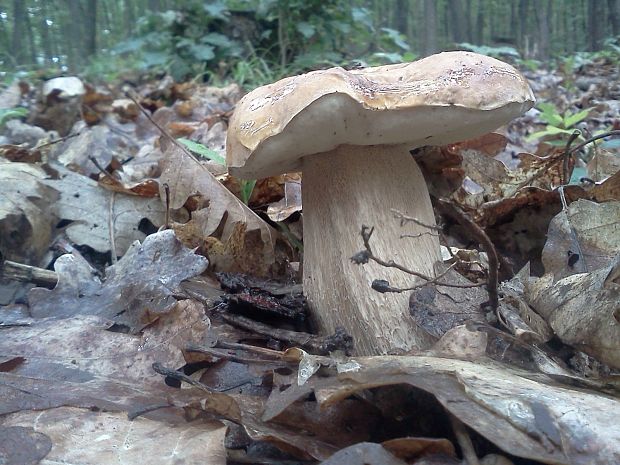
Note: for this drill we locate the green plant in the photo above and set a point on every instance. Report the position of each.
(11, 113)
(496, 52)
(558, 127)
(247, 185)
(202, 151)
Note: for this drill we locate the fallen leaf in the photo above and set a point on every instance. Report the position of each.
(91, 209)
(93, 437)
(225, 214)
(136, 291)
(583, 310)
(534, 419)
(21, 445)
(26, 221)
(593, 245)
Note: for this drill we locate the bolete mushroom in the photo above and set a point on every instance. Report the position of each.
(351, 133)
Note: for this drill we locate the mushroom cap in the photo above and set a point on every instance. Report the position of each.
(437, 100)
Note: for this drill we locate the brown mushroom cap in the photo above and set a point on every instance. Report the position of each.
(440, 99)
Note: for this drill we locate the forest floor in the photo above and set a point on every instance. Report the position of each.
(152, 306)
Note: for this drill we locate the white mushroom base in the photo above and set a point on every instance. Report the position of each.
(344, 189)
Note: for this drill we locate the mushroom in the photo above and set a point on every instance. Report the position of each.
(351, 133)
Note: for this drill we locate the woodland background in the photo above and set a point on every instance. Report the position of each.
(257, 41)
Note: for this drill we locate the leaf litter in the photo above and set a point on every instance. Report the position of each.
(81, 366)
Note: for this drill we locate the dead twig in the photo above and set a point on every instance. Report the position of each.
(214, 352)
(481, 237)
(56, 141)
(99, 167)
(364, 256)
(161, 129)
(573, 233)
(27, 274)
(308, 342)
(174, 374)
(567, 157)
(111, 227)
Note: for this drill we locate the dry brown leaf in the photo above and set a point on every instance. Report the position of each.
(89, 206)
(583, 310)
(233, 221)
(535, 419)
(597, 241)
(364, 453)
(137, 291)
(80, 435)
(26, 221)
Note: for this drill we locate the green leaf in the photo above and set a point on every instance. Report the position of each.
(217, 39)
(154, 58)
(396, 37)
(306, 29)
(202, 151)
(571, 120)
(389, 57)
(363, 16)
(11, 113)
(549, 131)
(217, 10)
(202, 52)
(247, 186)
(550, 115)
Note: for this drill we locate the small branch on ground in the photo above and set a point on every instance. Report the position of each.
(309, 342)
(27, 274)
(133, 97)
(56, 141)
(382, 286)
(478, 234)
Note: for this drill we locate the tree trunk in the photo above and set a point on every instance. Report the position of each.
(90, 23)
(18, 43)
(46, 40)
(542, 8)
(430, 27)
(614, 20)
(154, 6)
(130, 18)
(479, 35)
(73, 40)
(457, 20)
(595, 32)
(468, 21)
(400, 16)
(523, 40)
(32, 49)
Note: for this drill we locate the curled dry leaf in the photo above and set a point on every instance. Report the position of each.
(80, 435)
(91, 209)
(583, 310)
(22, 444)
(25, 217)
(364, 453)
(225, 214)
(594, 245)
(531, 419)
(137, 290)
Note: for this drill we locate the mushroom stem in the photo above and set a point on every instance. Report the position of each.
(344, 189)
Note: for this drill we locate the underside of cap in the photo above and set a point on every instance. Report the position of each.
(441, 99)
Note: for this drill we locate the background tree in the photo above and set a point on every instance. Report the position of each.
(198, 36)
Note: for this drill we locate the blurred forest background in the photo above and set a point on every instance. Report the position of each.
(256, 41)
